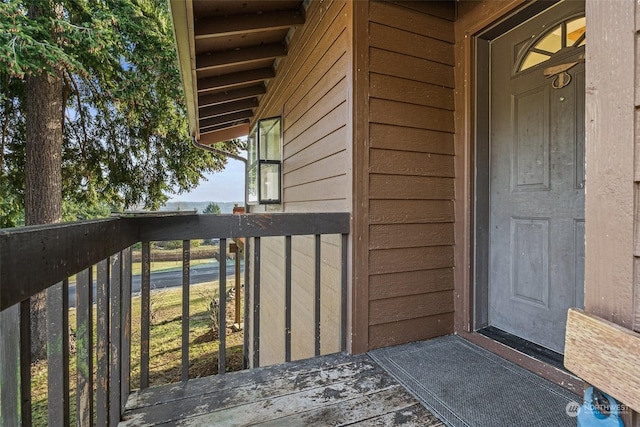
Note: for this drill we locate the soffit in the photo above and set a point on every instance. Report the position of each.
(228, 52)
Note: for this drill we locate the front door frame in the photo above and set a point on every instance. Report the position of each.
(473, 33)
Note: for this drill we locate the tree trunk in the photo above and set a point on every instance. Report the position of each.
(43, 186)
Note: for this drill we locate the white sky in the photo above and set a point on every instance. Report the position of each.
(223, 186)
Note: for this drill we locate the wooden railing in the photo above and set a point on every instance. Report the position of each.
(43, 258)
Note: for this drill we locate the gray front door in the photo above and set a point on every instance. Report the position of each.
(536, 195)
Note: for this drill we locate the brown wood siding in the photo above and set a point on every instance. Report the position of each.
(610, 134)
(410, 173)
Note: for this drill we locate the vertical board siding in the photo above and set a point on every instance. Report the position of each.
(411, 173)
(311, 94)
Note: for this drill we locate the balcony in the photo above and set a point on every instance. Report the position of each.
(96, 256)
(105, 379)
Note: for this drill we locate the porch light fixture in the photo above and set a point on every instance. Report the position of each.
(264, 173)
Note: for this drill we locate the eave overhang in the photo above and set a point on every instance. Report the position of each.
(228, 52)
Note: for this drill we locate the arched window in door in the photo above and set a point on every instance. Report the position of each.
(569, 34)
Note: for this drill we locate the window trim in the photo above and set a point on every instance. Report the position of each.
(258, 162)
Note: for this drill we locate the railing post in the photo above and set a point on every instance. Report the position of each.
(222, 322)
(58, 353)
(102, 343)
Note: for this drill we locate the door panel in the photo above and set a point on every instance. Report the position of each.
(536, 161)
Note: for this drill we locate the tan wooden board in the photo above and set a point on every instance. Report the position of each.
(383, 286)
(605, 355)
(321, 391)
(410, 330)
(410, 307)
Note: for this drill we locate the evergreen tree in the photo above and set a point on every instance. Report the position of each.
(91, 112)
(212, 208)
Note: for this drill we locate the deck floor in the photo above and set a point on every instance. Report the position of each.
(334, 390)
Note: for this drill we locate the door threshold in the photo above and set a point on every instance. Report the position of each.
(529, 348)
(551, 372)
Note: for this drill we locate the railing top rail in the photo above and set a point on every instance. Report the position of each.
(35, 257)
(59, 226)
(244, 225)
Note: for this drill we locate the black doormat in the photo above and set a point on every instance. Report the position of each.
(465, 385)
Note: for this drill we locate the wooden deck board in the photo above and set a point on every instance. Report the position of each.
(330, 390)
(198, 386)
(415, 415)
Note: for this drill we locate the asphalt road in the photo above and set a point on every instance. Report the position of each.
(201, 273)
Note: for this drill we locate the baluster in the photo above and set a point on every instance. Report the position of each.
(10, 366)
(256, 302)
(343, 296)
(222, 321)
(186, 270)
(102, 343)
(84, 348)
(287, 298)
(25, 362)
(58, 353)
(116, 339)
(125, 355)
(145, 296)
(316, 294)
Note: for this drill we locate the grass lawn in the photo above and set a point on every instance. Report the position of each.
(165, 344)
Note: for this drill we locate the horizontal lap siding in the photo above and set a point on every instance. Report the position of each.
(310, 92)
(411, 173)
